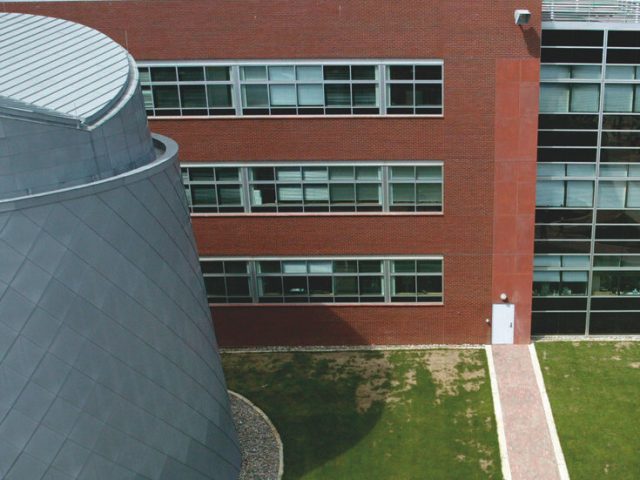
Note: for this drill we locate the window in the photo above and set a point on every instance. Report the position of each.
(292, 88)
(213, 189)
(324, 280)
(560, 275)
(187, 90)
(314, 187)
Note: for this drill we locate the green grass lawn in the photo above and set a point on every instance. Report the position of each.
(375, 415)
(594, 390)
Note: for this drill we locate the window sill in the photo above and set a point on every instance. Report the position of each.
(286, 117)
(364, 304)
(321, 214)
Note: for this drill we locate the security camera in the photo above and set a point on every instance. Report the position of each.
(522, 17)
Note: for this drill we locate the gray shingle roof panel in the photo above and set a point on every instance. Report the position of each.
(59, 66)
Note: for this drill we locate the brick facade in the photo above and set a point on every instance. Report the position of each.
(479, 44)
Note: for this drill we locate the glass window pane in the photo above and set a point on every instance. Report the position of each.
(283, 95)
(585, 98)
(341, 173)
(235, 267)
(166, 96)
(368, 192)
(633, 194)
(554, 98)
(613, 170)
(368, 173)
(237, 286)
(282, 74)
(400, 72)
(320, 266)
(579, 194)
(261, 173)
(612, 194)
(268, 266)
(342, 193)
(402, 173)
(288, 174)
(429, 285)
(320, 285)
(575, 261)
(429, 266)
(429, 193)
(402, 193)
(364, 72)
(551, 170)
(428, 94)
(255, 96)
(345, 266)
(365, 94)
(370, 266)
(429, 173)
(618, 98)
(550, 193)
(428, 72)
(345, 285)
(163, 74)
(547, 260)
(201, 174)
(581, 170)
(144, 75)
(215, 286)
(370, 285)
(295, 285)
(399, 94)
(586, 71)
(291, 194)
(229, 195)
(263, 195)
(314, 174)
(309, 73)
(217, 74)
(337, 94)
(211, 267)
(294, 266)
(555, 72)
(193, 96)
(270, 286)
(220, 96)
(403, 285)
(227, 174)
(203, 195)
(621, 72)
(403, 266)
(253, 73)
(190, 74)
(316, 194)
(310, 95)
(336, 72)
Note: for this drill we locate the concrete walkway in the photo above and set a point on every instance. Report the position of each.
(532, 447)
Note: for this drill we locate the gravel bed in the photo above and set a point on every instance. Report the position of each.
(259, 441)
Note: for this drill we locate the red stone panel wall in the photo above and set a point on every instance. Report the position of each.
(471, 37)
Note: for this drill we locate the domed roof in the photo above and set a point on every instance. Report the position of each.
(59, 68)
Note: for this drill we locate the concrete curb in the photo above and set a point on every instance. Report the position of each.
(347, 348)
(553, 432)
(582, 338)
(497, 407)
(276, 435)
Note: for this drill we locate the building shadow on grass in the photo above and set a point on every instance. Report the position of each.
(320, 403)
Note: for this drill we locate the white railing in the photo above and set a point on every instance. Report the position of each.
(623, 11)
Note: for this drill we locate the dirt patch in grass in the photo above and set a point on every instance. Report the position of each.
(634, 364)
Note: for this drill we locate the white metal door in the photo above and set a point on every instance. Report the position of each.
(502, 323)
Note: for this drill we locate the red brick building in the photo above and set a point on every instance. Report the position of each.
(357, 141)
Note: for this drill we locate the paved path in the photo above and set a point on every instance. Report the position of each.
(530, 445)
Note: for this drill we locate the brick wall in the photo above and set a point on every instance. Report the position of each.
(469, 36)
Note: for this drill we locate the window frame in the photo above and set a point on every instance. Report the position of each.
(381, 83)
(385, 276)
(385, 182)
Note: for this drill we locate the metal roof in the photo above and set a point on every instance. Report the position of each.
(59, 68)
(623, 11)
